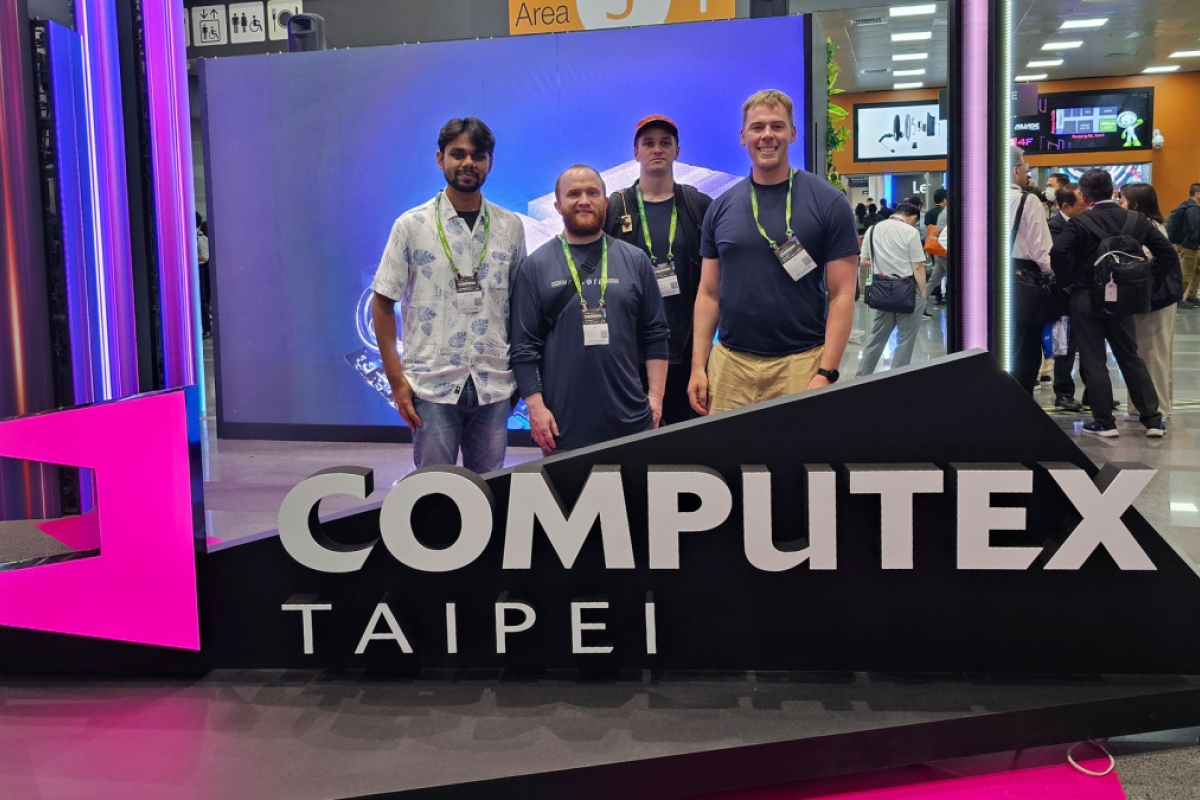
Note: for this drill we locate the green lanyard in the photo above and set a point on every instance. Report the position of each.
(575, 275)
(788, 212)
(487, 230)
(646, 228)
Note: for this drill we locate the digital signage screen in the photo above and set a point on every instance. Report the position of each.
(311, 157)
(1101, 120)
(898, 131)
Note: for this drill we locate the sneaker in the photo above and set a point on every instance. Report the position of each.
(926, 315)
(1068, 403)
(1189, 304)
(1157, 432)
(1096, 429)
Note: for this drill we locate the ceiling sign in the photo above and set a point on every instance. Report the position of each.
(547, 16)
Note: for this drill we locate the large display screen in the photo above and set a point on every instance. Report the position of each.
(898, 131)
(312, 156)
(1099, 120)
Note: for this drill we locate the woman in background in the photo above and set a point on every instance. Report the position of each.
(860, 215)
(1156, 329)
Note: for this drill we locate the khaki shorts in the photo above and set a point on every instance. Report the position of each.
(739, 379)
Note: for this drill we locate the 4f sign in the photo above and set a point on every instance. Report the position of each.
(547, 16)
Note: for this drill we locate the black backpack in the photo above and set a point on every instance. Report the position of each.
(1120, 262)
(1177, 224)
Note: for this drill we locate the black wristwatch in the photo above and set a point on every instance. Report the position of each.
(830, 375)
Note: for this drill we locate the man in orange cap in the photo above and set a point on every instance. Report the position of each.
(664, 219)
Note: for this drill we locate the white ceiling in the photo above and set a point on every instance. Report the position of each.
(1138, 34)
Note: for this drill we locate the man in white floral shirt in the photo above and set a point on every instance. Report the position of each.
(449, 263)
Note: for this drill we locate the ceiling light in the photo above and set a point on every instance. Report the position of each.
(1039, 77)
(1081, 24)
(911, 11)
(1176, 54)
(1152, 70)
(1050, 62)
(916, 85)
(908, 73)
(1062, 45)
(910, 57)
(915, 37)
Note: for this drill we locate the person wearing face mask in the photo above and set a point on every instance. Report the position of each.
(1054, 182)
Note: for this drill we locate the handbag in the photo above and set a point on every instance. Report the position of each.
(1034, 298)
(932, 245)
(890, 293)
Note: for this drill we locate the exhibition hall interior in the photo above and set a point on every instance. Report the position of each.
(261, 534)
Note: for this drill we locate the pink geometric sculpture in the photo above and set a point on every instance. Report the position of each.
(142, 586)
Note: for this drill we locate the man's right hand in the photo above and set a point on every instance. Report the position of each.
(698, 391)
(542, 426)
(402, 393)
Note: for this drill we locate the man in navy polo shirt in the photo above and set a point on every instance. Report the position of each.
(780, 254)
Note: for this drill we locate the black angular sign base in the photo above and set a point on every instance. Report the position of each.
(717, 611)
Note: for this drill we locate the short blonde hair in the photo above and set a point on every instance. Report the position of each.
(769, 97)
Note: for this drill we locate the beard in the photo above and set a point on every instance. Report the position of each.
(466, 181)
(577, 227)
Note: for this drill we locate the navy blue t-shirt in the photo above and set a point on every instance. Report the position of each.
(764, 311)
(595, 393)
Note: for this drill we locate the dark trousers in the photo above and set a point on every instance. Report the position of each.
(1092, 328)
(676, 406)
(1027, 354)
(1064, 384)
(205, 299)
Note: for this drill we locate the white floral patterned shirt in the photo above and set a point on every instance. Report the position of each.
(442, 347)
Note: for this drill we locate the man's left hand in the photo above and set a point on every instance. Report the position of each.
(655, 409)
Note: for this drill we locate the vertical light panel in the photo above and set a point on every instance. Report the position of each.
(96, 23)
(973, 218)
(27, 490)
(1003, 309)
(174, 198)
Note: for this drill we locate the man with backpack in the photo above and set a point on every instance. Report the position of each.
(663, 218)
(1183, 229)
(1099, 259)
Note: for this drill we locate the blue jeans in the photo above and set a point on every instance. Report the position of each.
(481, 431)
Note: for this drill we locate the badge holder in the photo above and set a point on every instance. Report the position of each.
(794, 258)
(668, 279)
(468, 293)
(595, 326)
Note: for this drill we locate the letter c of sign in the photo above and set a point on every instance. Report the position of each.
(300, 529)
(624, 14)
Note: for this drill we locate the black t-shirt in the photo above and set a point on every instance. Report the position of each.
(931, 216)
(679, 317)
(469, 217)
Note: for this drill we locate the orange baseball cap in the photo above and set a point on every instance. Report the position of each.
(656, 119)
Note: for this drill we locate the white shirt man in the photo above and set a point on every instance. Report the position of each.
(893, 248)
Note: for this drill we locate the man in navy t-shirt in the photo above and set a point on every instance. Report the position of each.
(780, 254)
(579, 372)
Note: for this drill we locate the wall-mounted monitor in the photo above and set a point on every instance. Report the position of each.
(1101, 120)
(898, 131)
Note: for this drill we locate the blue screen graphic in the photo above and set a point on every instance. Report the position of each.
(312, 156)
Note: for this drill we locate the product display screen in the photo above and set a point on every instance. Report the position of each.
(312, 156)
(1104, 120)
(898, 131)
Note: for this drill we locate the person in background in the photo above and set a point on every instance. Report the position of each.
(449, 264)
(1184, 231)
(1155, 331)
(860, 217)
(1054, 182)
(1069, 203)
(1032, 245)
(579, 372)
(937, 216)
(780, 262)
(663, 218)
(1074, 258)
(205, 276)
(894, 248)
